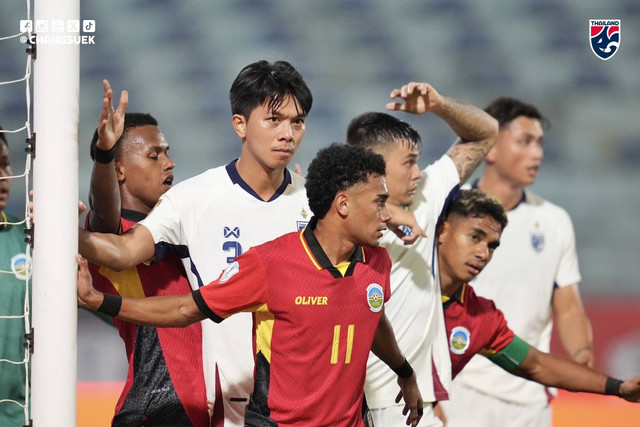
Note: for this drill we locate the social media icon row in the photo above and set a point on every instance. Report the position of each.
(58, 26)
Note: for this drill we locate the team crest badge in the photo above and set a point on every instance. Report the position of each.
(21, 266)
(459, 340)
(375, 297)
(537, 241)
(604, 37)
(231, 270)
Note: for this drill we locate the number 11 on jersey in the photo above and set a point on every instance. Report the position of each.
(335, 348)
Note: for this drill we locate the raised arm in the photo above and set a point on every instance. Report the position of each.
(386, 349)
(117, 251)
(477, 130)
(104, 193)
(555, 371)
(164, 311)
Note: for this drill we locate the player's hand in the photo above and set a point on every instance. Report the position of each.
(88, 297)
(111, 122)
(403, 223)
(298, 169)
(437, 410)
(419, 98)
(630, 389)
(413, 404)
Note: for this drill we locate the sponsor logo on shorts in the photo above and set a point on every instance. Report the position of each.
(604, 37)
(375, 297)
(459, 340)
(21, 266)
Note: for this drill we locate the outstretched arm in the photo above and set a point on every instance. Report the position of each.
(386, 349)
(477, 130)
(104, 193)
(117, 251)
(555, 371)
(573, 325)
(165, 311)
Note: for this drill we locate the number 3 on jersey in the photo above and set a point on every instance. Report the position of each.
(335, 348)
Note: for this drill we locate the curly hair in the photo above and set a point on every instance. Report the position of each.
(475, 203)
(337, 168)
(131, 120)
(505, 110)
(375, 129)
(263, 81)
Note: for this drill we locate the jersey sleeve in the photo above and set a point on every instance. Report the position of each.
(501, 335)
(568, 272)
(242, 286)
(440, 184)
(164, 222)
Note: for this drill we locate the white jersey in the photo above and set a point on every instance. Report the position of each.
(415, 306)
(210, 220)
(537, 253)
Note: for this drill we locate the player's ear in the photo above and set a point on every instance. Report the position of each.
(120, 171)
(442, 231)
(341, 203)
(239, 125)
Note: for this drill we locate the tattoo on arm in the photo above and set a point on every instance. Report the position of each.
(467, 156)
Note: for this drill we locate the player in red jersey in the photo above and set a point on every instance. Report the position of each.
(131, 170)
(317, 296)
(466, 240)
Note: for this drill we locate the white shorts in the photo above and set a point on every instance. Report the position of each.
(392, 417)
(469, 407)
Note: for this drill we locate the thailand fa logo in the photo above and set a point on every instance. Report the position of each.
(604, 37)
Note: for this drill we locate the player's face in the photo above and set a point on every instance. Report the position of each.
(402, 172)
(368, 214)
(148, 170)
(518, 151)
(273, 137)
(466, 245)
(5, 170)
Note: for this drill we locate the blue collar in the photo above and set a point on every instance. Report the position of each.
(236, 179)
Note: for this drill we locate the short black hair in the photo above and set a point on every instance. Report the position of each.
(263, 81)
(374, 129)
(131, 120)
(505, 110)
(475, 203)
(337, 168)
(3, 138)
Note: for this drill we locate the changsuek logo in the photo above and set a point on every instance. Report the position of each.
(604, 37)
(58, 31)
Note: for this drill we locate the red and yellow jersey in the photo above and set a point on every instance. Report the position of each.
(179, 348)
(474, 325)
(314, 326)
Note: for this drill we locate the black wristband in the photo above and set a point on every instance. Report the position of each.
(110, 305)
(612, 387)
(104, 156)
(404, 371)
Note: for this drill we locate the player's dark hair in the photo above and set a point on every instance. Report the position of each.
(337, 168)
(131, 120)
(263, 81)
(3, 138)
(506, 109)
(475, 203)
(374, 129)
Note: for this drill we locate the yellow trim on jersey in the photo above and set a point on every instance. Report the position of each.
(335, 347)
(308, 251)
(342, 268)
(126, 282)
(264, 331)
(445, 298)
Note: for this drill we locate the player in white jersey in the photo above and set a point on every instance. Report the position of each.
(533, 275)
(214, 217)
(415, 311)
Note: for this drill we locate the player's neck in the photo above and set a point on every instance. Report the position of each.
(337, 247)
(448, 284)
(132, 203)
(261, 178)
(509, 194)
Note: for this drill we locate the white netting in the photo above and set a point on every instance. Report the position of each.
(26, 222)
